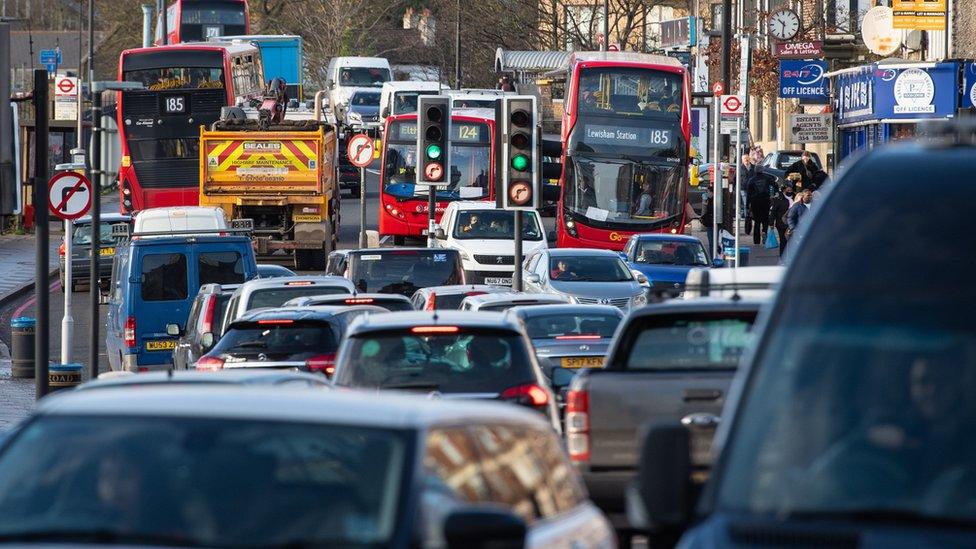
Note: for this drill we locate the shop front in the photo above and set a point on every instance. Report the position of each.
(885, 102)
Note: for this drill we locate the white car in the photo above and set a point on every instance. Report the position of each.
(484, 236)
(179, 219)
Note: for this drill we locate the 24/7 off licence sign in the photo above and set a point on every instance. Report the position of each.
(732, 105)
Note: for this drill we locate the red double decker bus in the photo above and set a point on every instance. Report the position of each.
(186, 85)
(626, 132)
(403, 205)
(201, 20)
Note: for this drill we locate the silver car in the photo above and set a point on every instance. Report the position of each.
(586, 276)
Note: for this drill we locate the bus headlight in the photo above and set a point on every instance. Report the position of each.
(570, 227)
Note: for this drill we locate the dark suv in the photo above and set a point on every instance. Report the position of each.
(851, 421)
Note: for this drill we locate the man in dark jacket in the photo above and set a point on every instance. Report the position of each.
(778, 206)
(807, 170)
(758, 199)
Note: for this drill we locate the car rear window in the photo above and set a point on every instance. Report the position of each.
(466, 361)
(569, 324)
(222, 482)
(404, 271)
(292, 339)
(276, 297)
(449, 301)
(690, 343)
(163, 277)
(220, 267)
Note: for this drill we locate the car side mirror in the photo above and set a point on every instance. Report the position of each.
(641, 278)
(174, 330)
(386, 112)
(663, 484)
(484, 527)
(718, 263)
(207, 340)
(533, 278)
(439, 234)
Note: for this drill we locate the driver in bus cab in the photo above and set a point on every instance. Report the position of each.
(589, 91)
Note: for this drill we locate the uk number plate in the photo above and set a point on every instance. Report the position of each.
(498, 281)
(106, 251)
(161, 345)
(581, 362)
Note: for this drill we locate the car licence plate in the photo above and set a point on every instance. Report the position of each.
(498, 281)
(581, 362)
(106, 251)
(161, 345)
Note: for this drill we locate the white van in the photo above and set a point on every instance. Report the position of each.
(746, 282)
(346, 74)
(179, 219)
(475, 98)
(401, 97)
(484, 236)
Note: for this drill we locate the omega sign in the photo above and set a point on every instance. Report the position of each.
(914, 92)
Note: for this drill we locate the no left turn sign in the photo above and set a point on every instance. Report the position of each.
(732, 105)
(69, 195)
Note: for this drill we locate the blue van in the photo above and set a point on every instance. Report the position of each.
(154, 282)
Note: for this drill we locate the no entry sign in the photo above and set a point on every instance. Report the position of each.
(69, 195)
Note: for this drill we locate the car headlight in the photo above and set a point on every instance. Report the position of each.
(639, 299)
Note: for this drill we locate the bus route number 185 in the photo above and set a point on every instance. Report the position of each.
(174, 104)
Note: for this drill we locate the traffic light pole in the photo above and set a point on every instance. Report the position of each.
(431, 205)
(517, 273)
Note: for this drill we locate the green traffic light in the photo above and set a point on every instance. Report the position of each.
(520, 162)
(433, 151)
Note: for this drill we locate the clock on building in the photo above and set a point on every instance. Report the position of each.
(784, 24)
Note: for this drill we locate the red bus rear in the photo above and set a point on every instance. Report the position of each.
(403, 206)
(159, 127)
(626, 134)
(200, 20)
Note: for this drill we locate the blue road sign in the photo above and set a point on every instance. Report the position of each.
(51, 68)
(51, 57)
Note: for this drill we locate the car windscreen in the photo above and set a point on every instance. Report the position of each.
(404, 271)
(658, 252)
(495, 225)
(786, 160)
(588, 269)
(276, 297)
(278, 339)
(682, 342)
(190, 481)
(82, 235)
(550, 326)
(465, 361)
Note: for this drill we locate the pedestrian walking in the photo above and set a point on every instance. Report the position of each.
(779, 204)
(797, 211)
(708, 217)
(806, 169)
(759, 197)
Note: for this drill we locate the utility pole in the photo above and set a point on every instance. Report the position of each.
(606, 25)
(8, 182)
(726, 64)
(41, 222)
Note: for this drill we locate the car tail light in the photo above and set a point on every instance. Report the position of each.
(209, 309)
(358, 300)
(210, 364)
(431, 303)
(61, 249)
(578, 425)
(130, 332)
(324, 363)
(530, 395)
(593, 336)
(276, 321)
(435, 330)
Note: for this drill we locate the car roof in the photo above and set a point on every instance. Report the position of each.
(506, 297)
(451, 289)
(663, 237)
(410, 319)
(584, 252)
(480, 205)
(295, 404)
(189, 240)
(285, 281)
(104, 218)
(564, 308)
(240, 376)
(400, 249)
(699, 305)
(318, 312)
(342, 297)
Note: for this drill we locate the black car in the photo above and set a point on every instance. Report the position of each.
(203, 324)
(403, 270)
(81, 250)
(302, 338)
(448, 353)
(851, 421)
(270, 270)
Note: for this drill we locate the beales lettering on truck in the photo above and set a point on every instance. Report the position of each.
(285, 162)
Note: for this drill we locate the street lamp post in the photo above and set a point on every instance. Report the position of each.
(96, 171)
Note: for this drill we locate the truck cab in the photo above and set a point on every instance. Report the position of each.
(154, 283)
(345, 74)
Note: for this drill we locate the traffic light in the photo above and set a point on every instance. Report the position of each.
(520, 163)
(433, 140)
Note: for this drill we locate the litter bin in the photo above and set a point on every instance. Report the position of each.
(729, 253)
(22, 347)
(63, 376)
(744, 256)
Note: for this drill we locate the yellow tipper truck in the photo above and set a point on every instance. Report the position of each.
(283, 177)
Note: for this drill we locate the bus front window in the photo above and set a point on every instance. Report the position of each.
(621, 191)
(630, 92)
